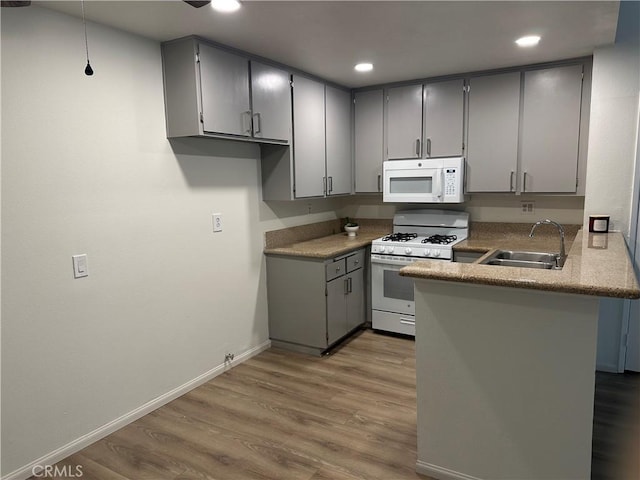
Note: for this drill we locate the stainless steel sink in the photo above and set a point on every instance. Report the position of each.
(511, 258)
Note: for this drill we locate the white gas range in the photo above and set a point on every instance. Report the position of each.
(424, 234)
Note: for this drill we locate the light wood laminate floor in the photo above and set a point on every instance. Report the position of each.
(347, 416)
(280, 415)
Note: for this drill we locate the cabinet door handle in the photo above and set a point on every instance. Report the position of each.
(407, 322)
(258, 128)
(379, 177)
(330, 184)
(428, 147)
(246, 121)
(324, 185)
(511, 181)
(524, 182)
(350, 282)
(417, 147)
(346, 286)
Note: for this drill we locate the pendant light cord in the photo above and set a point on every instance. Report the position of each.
(88, 70)
(84, 24)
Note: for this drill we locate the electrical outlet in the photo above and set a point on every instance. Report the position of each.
(527, 208)
(217, 222)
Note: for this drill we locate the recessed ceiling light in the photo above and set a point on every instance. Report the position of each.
(225, 5)
(364, 67)
(528, 41)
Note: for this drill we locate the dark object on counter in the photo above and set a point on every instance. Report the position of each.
(599, 223)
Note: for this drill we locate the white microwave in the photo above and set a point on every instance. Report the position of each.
(429, 180)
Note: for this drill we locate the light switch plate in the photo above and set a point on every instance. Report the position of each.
(80, 266)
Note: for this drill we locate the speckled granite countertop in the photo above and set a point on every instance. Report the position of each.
(326, 247)
(597, 264)
(321, 240)
(486, 236)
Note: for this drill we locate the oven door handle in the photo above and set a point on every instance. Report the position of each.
(394, 263)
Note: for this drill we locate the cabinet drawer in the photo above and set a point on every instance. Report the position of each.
(335, 269)
(355, 261)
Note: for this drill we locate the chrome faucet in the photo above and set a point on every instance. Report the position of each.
(560, 258)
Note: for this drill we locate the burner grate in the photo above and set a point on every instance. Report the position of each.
(399, 237)
(440, 239)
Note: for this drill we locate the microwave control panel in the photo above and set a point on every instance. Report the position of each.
(450, 183)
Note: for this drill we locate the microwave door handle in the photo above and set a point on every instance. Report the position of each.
(440, 176)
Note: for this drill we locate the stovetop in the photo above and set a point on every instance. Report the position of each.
(414, 245)
(423, 233)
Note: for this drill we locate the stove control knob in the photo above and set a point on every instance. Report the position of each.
(427, 252)
(407, 251)
(380, 248)
(390, 249)
(436, 253)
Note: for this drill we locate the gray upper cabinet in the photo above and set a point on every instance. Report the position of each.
(209, 92)
(404, 122)
(271, 102)
(320, 163)
(444, 118)
(368, 140)
(523, 132)
(551, 129)
(338, 142)
(308, 137)
(224, 82)
(492, 142)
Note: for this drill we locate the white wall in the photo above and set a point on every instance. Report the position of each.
(482, 208)
(86, 168)
(613, 127)
(612, 142)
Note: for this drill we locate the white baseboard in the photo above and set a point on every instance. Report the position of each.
(63, 452)
(441, 473)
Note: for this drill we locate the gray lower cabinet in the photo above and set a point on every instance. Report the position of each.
(404, 122)
(368, 140)
(444, 118)
(312, 303)
(492, 141)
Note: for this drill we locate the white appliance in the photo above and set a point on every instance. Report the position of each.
(422, 234)
(427, 180)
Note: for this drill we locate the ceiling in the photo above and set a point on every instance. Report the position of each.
(403, 39)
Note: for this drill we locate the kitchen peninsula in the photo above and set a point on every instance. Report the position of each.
(505, 362)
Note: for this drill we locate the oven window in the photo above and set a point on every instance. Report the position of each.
(395, 286)
(411, 185)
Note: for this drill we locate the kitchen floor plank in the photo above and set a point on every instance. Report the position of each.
(349, 415)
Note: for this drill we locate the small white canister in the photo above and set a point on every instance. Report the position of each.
(599, 223)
